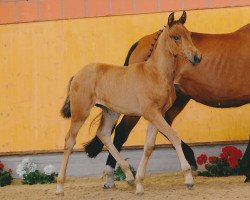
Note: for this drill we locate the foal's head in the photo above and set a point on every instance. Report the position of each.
(179, 41)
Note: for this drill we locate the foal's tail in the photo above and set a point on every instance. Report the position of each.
(65, 110)
(94, 147)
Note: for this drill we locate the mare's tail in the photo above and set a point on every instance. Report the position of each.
(65, 110)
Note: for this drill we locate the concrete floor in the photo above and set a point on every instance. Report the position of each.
(162, 159)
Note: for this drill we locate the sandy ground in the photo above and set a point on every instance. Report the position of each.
(157, 186)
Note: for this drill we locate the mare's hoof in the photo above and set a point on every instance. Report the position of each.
(106, 187)
(189, 186)
(195, 173)
(194, 168)
(131, 182)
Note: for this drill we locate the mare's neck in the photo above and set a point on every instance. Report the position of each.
(162, 60)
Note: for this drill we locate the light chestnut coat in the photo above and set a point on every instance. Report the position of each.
(143, 89)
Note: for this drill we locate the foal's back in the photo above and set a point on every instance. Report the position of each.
(112, 86)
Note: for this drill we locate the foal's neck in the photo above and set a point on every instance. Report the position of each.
(162, 60)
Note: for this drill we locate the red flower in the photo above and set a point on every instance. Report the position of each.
(212, 159)
(199, 161)
(232, 151)
(202, 159)
(237, 154)
(1, 166)
(206, 166)
(232, 155)
(10, 171)
(232, 162)
(223, 155)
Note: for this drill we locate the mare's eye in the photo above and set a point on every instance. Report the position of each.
(176, 37)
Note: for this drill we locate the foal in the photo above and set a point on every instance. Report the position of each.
(144, 89)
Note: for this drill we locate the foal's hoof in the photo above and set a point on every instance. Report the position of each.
(189, 185)
(106, 187)
(139, 189)
(139, 193)
(59, 190)
(59, 193)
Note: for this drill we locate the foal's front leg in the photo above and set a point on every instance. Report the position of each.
(148, 148)
(109, 119)
(159, 122)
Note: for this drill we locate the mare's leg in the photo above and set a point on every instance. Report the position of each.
(245, 163)
(159, 122)
(122, 132)
(77, 120)
(148, 148)
(109, 119)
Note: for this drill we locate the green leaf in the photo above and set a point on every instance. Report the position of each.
(120, 176)
(38, 177)
(5, 178)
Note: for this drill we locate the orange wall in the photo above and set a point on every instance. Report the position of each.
(15, 11)
(38, 58)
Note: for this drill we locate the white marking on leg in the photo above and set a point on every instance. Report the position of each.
(109, 177)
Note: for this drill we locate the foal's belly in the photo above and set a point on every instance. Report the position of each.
(118, 107)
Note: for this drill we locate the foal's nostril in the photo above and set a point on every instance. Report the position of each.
(197, 59)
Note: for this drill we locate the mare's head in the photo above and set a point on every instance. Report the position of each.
(179, 41)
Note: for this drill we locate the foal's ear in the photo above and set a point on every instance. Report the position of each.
(171, 20)
(183, 18)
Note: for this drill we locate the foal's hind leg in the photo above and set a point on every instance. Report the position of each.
(148, 148)
(109, 119)
(77, 120)
(122, 131)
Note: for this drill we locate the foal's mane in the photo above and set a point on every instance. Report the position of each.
(154, 44)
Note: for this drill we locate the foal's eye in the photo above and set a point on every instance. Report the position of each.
(176, 37)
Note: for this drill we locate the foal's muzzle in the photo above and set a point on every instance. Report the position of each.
(195, 59)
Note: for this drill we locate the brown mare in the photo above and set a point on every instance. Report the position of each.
(144, 89)
(222, 80)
